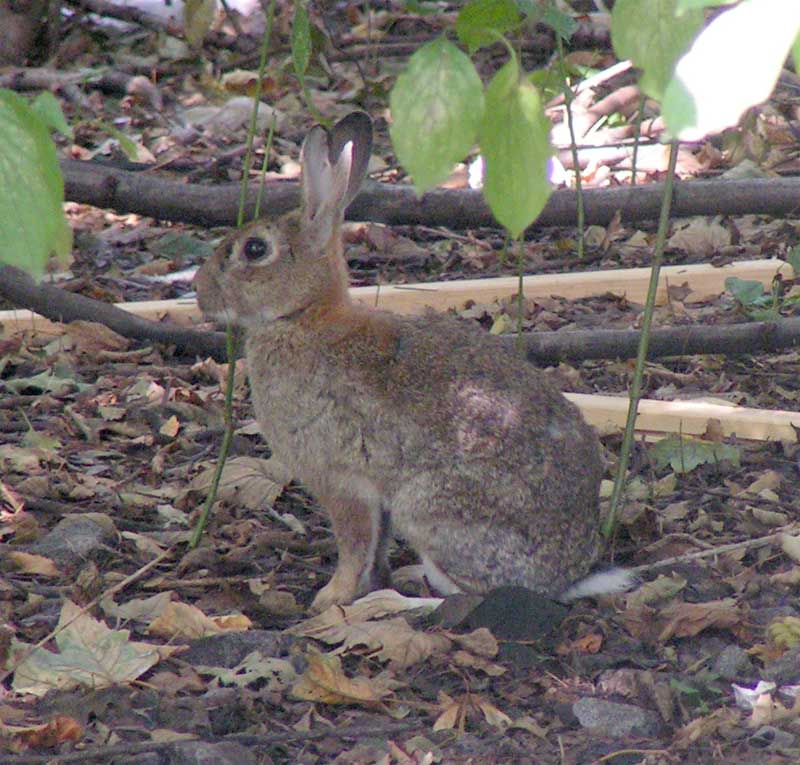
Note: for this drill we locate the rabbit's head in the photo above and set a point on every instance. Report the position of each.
(268, 271)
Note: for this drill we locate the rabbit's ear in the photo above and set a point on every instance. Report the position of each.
(334, 166)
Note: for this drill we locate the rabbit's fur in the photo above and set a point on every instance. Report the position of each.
(422, 427)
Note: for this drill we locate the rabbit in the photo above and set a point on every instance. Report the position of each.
(424, 427)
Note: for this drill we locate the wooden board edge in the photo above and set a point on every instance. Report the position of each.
(703, 280)
(692, 418)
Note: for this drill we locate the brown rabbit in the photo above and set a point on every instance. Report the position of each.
(422, 427)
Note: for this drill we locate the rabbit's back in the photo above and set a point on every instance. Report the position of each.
(466, 446)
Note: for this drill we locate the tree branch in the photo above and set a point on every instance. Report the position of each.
(145, 194)
(540, 348)
(58, 305)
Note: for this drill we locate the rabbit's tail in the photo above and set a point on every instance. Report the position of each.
(602, 583)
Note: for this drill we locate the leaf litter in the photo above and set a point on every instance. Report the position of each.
(98, 427)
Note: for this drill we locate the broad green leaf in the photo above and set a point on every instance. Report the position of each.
(649, 34)
(514, 139)
(746, 292)
(32, 223)
(561, 23)
(198, 16)
(732, 65)
(49, 112)
(478, 20)
(301, 40)
(796, 53)
(436, 103)
(685, 454)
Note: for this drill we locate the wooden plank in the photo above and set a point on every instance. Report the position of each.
(689, 417)
(702, 279)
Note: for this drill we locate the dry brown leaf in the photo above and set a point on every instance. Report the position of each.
(47, 736)
(769, 479)
(90, 338)
(28, 563)
(246, 481)
(452, 713)
(688, 619)
(183, 621)
(324, 682)
(375, 605)
(393, 640)
(232, 622)
(480, 642)
(170, 428)
(466, 659)
(492, 714)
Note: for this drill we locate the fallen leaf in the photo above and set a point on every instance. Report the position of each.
(324, 682)
(688, 619)
(28, 563)
(89, 654)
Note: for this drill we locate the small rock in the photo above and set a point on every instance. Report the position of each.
(772, 739)
(76, 539)
(785, 670)
(204, 753)
(616, 720)
(229, 648)
(733, 663)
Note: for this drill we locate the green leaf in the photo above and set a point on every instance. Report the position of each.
(732, 65)
(198, 16)
(480, 21)
(685, 454)
(561, 23)
(796, 53)
(47, 108)
(301, 40)
(32, 223)
(128, 145)
(436, 106)
(653, 38)
(748, 293)
(514, 138)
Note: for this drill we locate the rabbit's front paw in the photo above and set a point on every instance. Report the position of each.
(340, 591)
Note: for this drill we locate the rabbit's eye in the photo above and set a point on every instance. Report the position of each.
(256, 248)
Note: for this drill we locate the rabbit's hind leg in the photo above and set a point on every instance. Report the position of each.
(362, 535)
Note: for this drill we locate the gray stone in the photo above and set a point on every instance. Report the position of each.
(733, 663)
(204, 753)
(772, 739)
(609, 718)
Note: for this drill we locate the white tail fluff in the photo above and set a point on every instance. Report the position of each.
(602, 583)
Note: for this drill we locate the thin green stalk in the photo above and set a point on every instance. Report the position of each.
(248, 156)
(569, 97)
(520, 293)
(637, 137)
(230, 335)
(227, 437)
(641, 357)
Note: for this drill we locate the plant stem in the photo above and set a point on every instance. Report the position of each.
(227, 437)
(251, 132)
(569, 97)
(641, 358)
(230, 336)
(637, 137)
